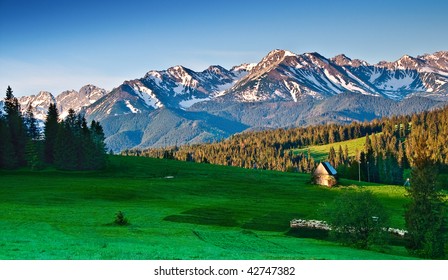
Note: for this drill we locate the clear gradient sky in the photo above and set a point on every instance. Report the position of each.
(56, 45)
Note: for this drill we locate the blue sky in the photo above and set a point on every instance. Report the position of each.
(59, 45)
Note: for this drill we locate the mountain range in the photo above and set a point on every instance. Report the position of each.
(179, 105)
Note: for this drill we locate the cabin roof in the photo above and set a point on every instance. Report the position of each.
(330, 169)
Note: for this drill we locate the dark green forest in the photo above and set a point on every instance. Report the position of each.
(68, 144)
(388, 150)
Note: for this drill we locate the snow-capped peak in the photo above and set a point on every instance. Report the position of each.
(39, 103)
(288, 53)
(178, 71)
(341, 60)
(270, 61)
(279, 54)
(216, 69)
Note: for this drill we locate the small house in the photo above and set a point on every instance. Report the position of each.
(325, 175)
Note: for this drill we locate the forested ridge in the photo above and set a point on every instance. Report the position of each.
(389, 147)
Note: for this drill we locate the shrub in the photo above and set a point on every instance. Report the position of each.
(120, 219)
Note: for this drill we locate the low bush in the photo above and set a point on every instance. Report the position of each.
(120, 219)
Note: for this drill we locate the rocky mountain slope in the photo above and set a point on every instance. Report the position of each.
(285, 76)
(179, 105)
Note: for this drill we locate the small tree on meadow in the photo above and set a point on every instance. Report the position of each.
(120, 219)
(357, 218)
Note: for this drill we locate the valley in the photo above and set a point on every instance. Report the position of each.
(176, 210)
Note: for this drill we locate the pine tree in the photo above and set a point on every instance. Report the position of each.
(346, 152)
(7, 158)
(425, 215)
(341, 158)
(68, 145)
(87, 148)
(65, 150)
(401, 155)
(33, 154)
(50, 133)
(97, 138)
(16, 128)
(31, 125)
(332, 157)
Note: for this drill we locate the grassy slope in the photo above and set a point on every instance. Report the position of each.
(204, 212)
(320, 152)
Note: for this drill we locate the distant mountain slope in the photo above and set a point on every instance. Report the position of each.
(342, 108)
(179, 105)
(166, 127)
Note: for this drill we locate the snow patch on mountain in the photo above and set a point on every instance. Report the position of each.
(148, 96)
(131, 108)
(188, 103)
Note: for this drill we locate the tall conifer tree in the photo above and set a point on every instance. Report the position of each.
(7, 158)
(425, 215)
(16, 128)
(31, 125)
(50, 133)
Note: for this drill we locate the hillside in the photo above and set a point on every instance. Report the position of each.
(177, 210)
(320, 152)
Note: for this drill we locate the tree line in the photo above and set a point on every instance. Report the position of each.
(269, 149)
(68, 144)
(388, 150)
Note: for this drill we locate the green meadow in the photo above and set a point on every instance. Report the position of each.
(176, 210)
(320, 152)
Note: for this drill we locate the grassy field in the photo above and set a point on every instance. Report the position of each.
(320, 152)
(177, 210)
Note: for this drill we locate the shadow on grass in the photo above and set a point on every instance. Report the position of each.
(313, 233)
(390, 245)
(273, 221)
(216, 216)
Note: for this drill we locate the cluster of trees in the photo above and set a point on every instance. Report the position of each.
(270, 149)
(68, 144)
(382, 160)
(18, 134)
(387, 154)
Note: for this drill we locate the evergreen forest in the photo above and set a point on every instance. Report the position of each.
(68, 144)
